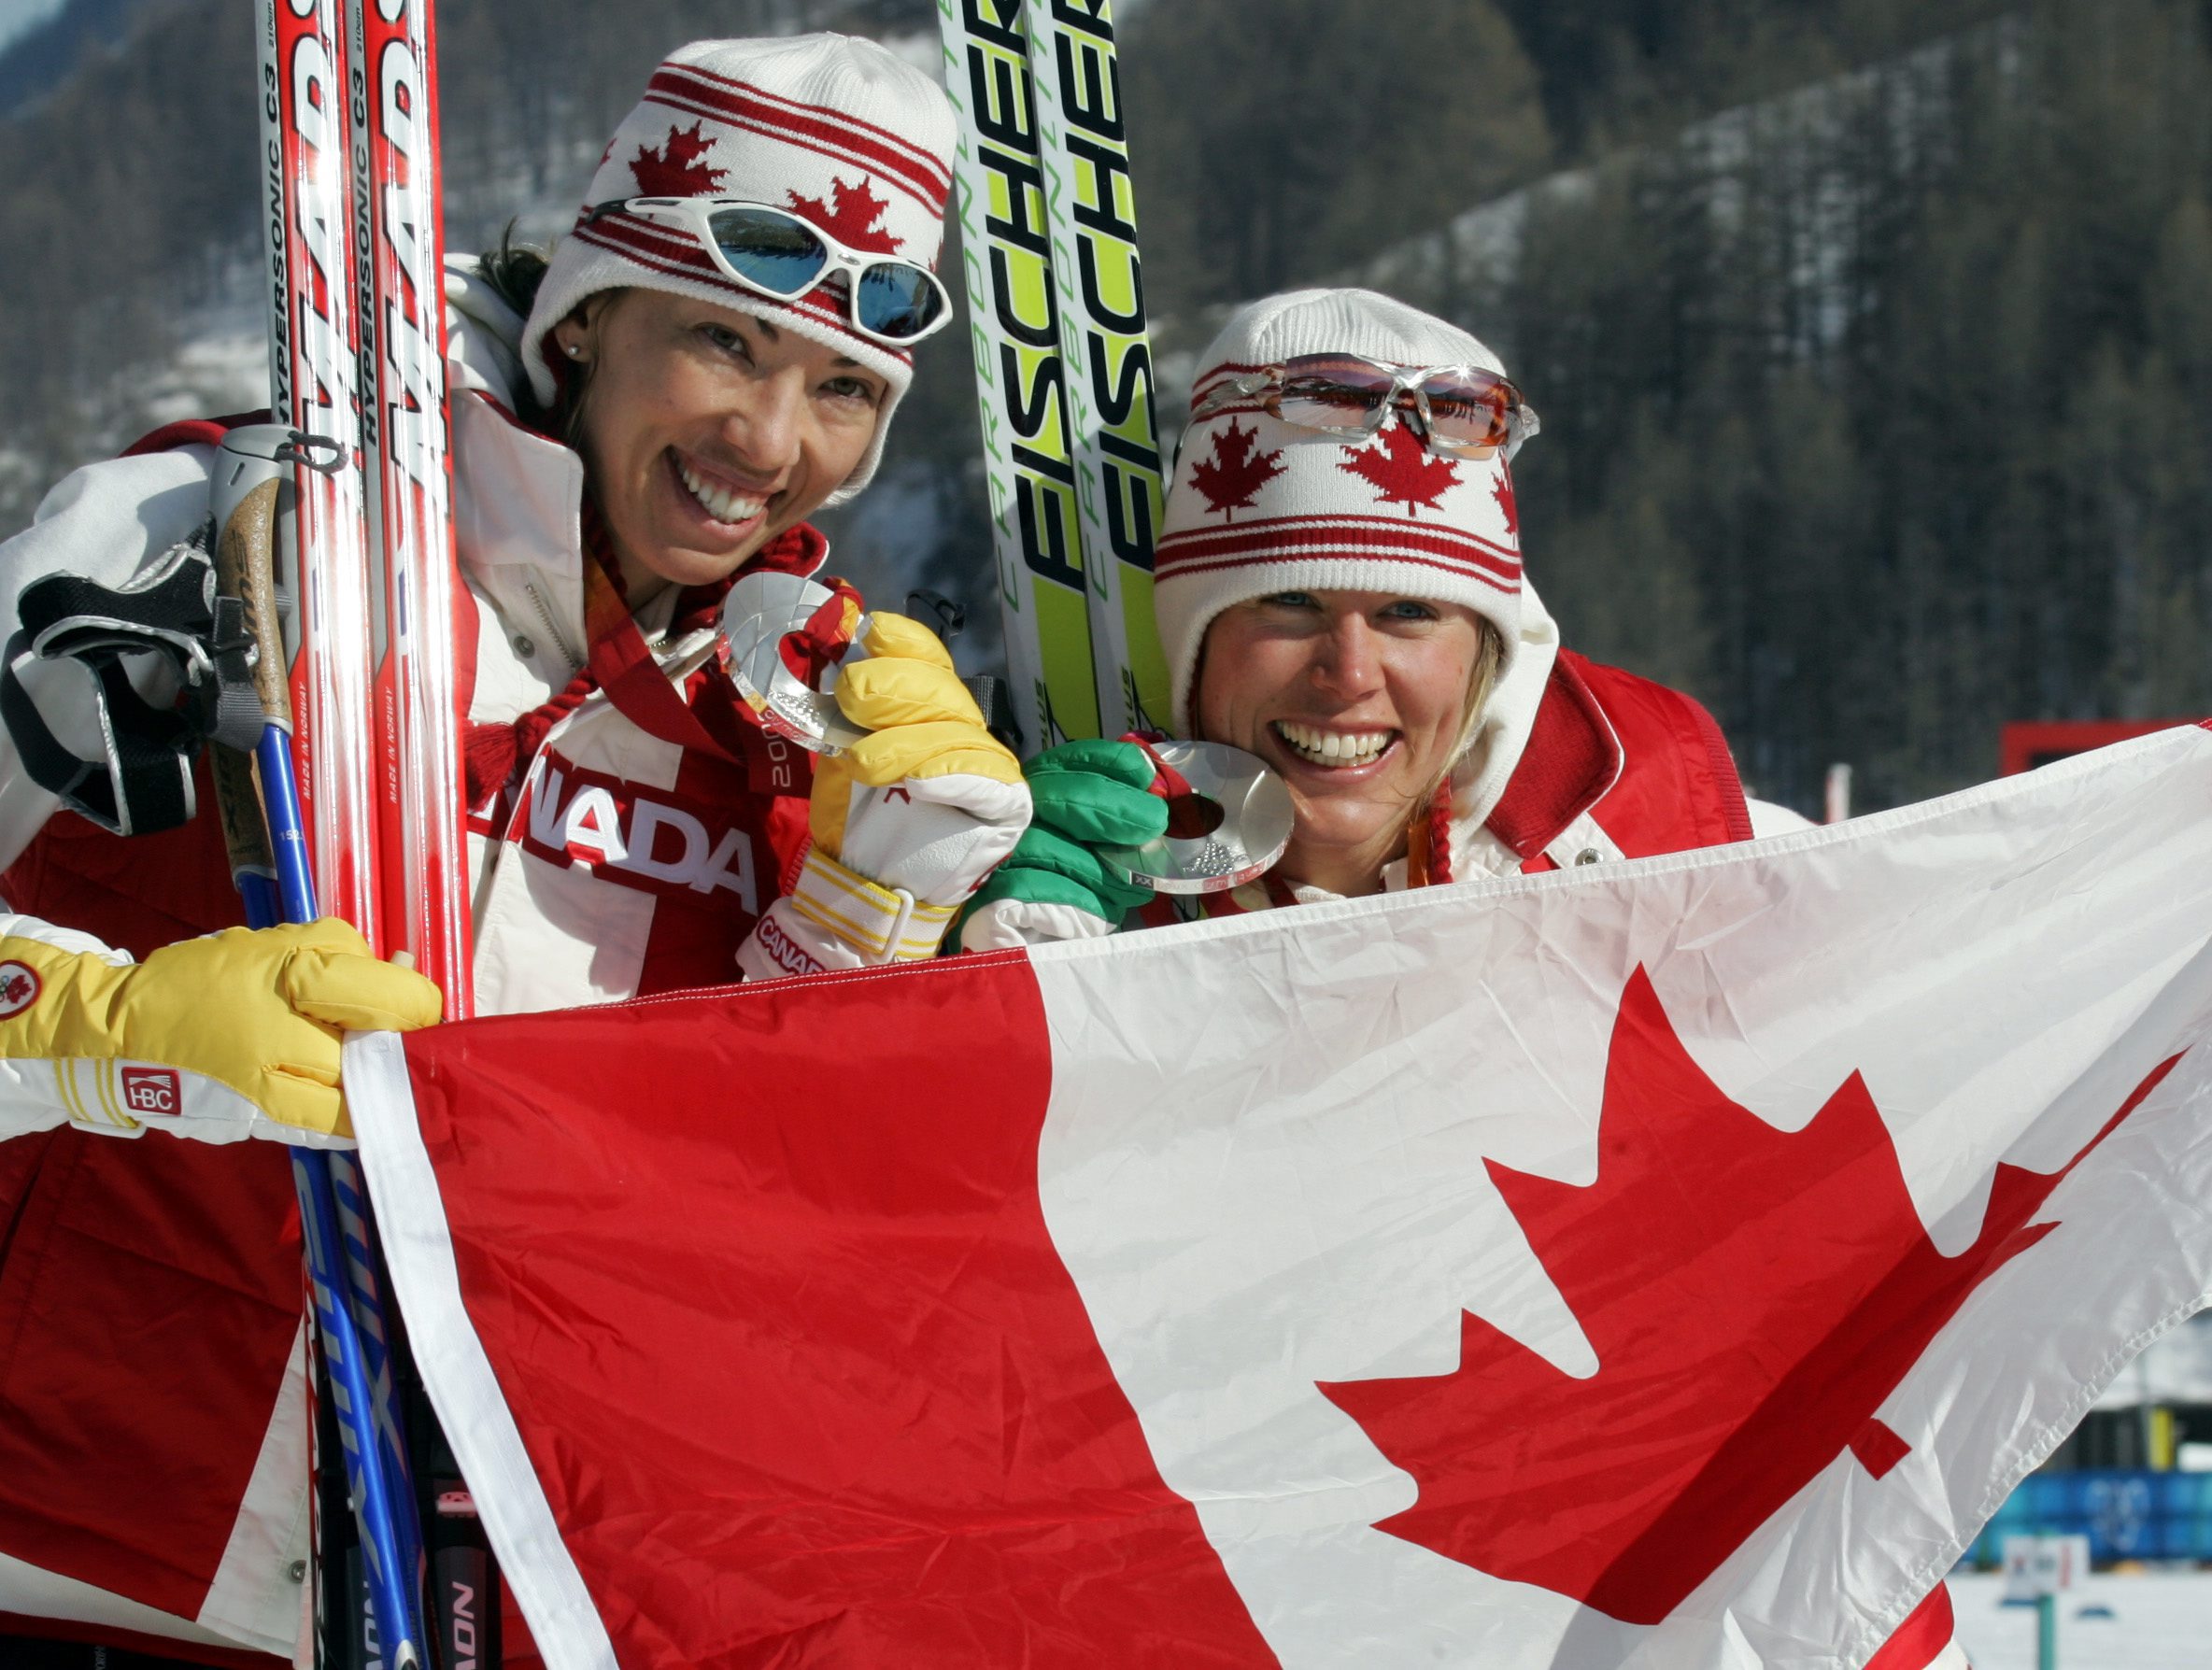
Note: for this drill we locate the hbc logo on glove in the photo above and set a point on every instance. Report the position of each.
(152, 1092)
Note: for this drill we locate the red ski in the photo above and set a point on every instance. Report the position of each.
(313, 347)
(417, 699)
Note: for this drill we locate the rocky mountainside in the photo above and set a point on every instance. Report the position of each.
(38, 58)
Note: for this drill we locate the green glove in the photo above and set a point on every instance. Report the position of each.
(1054, 885)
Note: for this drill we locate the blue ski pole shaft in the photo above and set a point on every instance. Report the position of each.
(362, 1394)
(269, 859)
(349, 1314)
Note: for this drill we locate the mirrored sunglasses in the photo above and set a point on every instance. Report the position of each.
(1463, 411)
(778, 254)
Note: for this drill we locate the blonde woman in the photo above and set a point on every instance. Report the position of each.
(1339, 590)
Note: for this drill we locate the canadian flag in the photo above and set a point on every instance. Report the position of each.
(1667, 1265)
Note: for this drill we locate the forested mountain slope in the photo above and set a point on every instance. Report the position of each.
(1876, 413)
(1873, 407)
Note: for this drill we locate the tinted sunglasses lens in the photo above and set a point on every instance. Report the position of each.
(1469, 411)
(777, 253)
(1338, 397)
(898, 303)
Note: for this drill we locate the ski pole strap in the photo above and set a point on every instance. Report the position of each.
(994, 700)
(142, 782)
(996, 703)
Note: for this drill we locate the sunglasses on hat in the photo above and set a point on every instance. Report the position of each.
(779, 255)
(1461, 410)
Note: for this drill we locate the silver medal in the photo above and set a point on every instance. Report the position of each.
(1238, 815)
(760, 611)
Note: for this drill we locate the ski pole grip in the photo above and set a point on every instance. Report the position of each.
(252, 468)
(244, 569)
(243, 496)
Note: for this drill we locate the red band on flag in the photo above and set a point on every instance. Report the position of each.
(191, 1254)
(888, 1394)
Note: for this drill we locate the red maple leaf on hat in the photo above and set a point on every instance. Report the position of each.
(1235, 472)
(851, 215)
(1398, 464)
(677, 168)
(1503, 493)
(1752, 1296)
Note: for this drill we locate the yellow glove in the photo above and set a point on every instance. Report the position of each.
(906, 822)
(217, 1038)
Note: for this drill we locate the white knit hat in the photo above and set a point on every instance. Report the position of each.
(833, 128)
(1259, 505)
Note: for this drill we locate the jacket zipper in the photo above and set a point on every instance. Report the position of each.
(552, 627)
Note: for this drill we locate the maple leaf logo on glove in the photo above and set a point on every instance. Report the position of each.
(1398, 464)
(676, 169)
(853, 216)
(1235, 472)
(1753, 1295)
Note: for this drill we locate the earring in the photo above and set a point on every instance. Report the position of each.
(573, 351)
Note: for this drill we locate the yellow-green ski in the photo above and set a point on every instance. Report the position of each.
(1090, 202)
(1021, 377)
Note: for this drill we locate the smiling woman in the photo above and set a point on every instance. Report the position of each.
(722, 341)
(1361, 700)
(707, 433)
(1339, 590)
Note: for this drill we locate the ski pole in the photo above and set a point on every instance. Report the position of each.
(273, 871)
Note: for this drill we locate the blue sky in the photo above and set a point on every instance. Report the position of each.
(19, 15)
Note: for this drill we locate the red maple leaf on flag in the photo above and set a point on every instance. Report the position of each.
(676, 169)
(1752, 1294)
(852, 216)
(1398, 464)
(1235, 472)
(1503, 493)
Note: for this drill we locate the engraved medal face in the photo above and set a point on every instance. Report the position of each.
(1230, 828)
(760, 611)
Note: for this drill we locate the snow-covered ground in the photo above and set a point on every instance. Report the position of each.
(2161, 1621)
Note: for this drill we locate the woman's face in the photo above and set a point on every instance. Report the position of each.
(706, 431)
(1356, 698)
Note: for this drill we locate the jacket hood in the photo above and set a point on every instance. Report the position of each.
(1508, 719)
